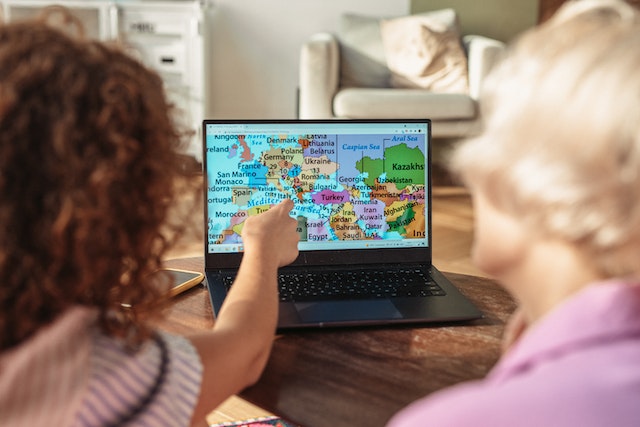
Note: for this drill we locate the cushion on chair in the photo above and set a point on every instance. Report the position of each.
(425, 51)
(363, 62)
(402, 103)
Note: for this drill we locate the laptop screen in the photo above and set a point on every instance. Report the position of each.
(356, 184)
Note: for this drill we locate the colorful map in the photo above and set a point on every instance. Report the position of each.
(344, 187)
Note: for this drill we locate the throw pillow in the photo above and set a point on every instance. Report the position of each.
(424, 51)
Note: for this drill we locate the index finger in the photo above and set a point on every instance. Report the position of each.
(286, 204)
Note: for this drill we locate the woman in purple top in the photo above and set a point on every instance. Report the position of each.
(555, 180)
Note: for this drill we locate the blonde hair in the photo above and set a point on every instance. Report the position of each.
(561, 145)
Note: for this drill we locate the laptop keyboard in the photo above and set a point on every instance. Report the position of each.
(355, 284)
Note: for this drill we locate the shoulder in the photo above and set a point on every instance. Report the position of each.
(158, 383)
(578, 366)
(47, 371)
(537, 399)
(184, 371)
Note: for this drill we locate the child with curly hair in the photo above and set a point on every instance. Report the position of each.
(555, 180)
(89, 168)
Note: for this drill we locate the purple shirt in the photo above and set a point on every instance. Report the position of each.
(578, 366)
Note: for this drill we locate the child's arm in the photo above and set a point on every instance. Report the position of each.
(235, 352)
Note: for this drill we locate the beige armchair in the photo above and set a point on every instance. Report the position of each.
(328, 88)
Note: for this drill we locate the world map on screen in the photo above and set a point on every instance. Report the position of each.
(344, 187)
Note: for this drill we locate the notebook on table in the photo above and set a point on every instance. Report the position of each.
(362, 199)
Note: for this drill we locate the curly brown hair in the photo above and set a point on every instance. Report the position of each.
(89, 167)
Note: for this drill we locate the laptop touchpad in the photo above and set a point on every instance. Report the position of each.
(347, 311)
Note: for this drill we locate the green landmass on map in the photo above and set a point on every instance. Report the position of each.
(402, 165)
(399, 225)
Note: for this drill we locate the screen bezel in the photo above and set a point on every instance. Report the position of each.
(217, 260)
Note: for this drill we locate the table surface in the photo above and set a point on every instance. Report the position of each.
(361, 377)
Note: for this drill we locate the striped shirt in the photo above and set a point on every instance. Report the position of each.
(70, 374)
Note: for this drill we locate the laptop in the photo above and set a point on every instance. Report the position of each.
(362, 199)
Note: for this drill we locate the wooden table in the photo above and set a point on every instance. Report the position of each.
(362, 377)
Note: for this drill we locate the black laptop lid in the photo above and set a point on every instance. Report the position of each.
(361, 188)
